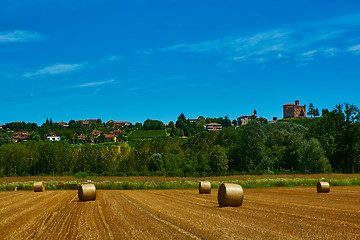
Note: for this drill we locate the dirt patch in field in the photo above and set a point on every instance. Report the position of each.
(271, 213)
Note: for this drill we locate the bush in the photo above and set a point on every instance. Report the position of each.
(81, 174)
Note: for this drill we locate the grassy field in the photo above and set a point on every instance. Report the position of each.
(134, 137)
(307, 122)
(138, 182)
(146, 134)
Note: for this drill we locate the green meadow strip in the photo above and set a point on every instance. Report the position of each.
(125, 185)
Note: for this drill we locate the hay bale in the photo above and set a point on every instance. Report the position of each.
(230, 194)
(39, 187)
(87, 192)
(204, 187)
(323, 187)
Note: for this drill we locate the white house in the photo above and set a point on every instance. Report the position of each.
(53, 138)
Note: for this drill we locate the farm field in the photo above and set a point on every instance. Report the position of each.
(268, 213)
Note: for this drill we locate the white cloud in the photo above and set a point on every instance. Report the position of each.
(20, 36)
(307, 56)
(355, 49)
(112, 58)
(330, 52)
(309, 53)
(300, 43)
(55, 69)
(95, 83)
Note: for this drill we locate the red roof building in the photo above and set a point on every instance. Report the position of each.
(213, 126)
(93, 120)
(291, 110)
(121, 123)
(62, 123)
(243, 120)
(96, 133)
(110, 137)
(82, 137)
(17, 136)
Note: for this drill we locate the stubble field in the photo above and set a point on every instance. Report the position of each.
(269, 213)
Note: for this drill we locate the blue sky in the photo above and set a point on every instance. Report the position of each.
(136, 59)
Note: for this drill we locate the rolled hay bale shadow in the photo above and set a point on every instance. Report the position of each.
(230, 194)
(87, 192)
(204, 187)
(39, 187)
(323, 187)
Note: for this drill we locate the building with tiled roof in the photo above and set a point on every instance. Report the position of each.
(213, 127)
(82, 137)
(53, 137)
(62, 123)
(17, 136)
(110, 137)
(96, 133)
(93, 120)
(243, 120)
(121, 123)
(291, 110)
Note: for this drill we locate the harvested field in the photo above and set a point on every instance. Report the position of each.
(269, 213)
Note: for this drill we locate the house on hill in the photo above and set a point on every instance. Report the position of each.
(213, 127)
(62, 123)
(94, 120)
(121, 123)
(243, 120)
(53, 137)
(96, 133)
(82, 137)
(291, 110)
(20, 136)
(110, 137)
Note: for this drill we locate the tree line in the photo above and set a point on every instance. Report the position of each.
(330, 144)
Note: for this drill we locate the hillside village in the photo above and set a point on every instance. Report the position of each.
(96, 131)
(187, 147)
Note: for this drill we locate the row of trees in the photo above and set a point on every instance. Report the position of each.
(331, 143)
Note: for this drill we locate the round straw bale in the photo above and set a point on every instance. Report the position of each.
(323, 187)
(87, 192)
(204, 187)
(39, 187)
(230, 194)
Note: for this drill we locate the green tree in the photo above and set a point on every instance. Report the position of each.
(316, 112)
(153, 125)
(156, 162)
(234, 122)
(4, 139)
(250, 149)
(171, 128)
(339, 134)
(313, 158)
(226, 122)
(201, 120)
(311, 110)
(218, 160)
